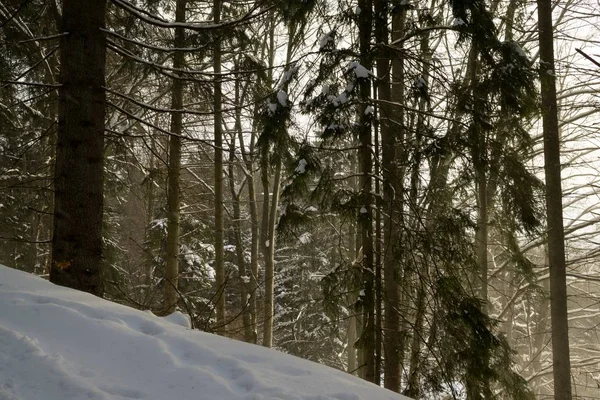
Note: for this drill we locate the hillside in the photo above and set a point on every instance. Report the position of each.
(57, 343)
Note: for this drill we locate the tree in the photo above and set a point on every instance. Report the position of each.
(173, 192)
(391, 127)
(78, 198)
(218, 133)
(554, 210)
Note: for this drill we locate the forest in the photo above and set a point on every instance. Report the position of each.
(405, 190)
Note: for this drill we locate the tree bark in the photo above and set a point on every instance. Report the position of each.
(270, 227)
(79, 170)
(378, 264)
(244, 280)
(394, 271)
(366, 211)
(480, 166)
(554, 209)
(255, 227)
(391, 126)
(174, 169)
(244, 274)
(269, 252)
(353, 247)
(218, 131)
(266, 239)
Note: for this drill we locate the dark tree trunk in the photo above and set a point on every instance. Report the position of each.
(396, 283)
(219, 245)
(245, 273)
(391, 123)
(556, 235)
(366, 182)
(253, 284)
(239, 243)
(78, 196)
(173, 193)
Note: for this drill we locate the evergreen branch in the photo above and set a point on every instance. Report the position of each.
(28, 70)
(36, 84)
(158, 128)
(43, 38)
(155, 20)
(13, 15)
(153, 47)
(21, 240)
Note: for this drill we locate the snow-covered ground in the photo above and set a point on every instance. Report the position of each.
(57, 344)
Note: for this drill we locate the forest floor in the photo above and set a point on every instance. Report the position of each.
(58, 343)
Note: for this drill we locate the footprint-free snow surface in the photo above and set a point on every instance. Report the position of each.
(57, 344)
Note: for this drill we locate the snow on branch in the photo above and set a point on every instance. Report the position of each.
(198, 26)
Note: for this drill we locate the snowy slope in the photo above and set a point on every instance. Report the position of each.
(57, 343)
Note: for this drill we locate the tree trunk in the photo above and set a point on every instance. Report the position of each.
(265, 239)
(366, 211)
(391, 129)
(378, 267)
(480, 166)
(395, 309)
(248, 157)
(269, 252)
(353, 246)
(271, 212)
(174, 169)
(247, 276)
(255, 232)
(413, 388)
(79, 169)
(254, 229)
(540, 336)
(219, 248)
(556, 234)
(239, 245)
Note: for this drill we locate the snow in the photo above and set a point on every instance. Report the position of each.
(419, 82)
(58, 343)
(325, 40)
(518, 49)
(159, 224)
(192, 259)
(359, 70)
(271, 108)
(305, 238)
(341, 99)
(282, 98)
(458, 22)
(369, 110)
(179, 318)
(301, 168)
(288, 75)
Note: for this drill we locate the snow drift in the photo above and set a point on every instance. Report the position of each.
(57, 343)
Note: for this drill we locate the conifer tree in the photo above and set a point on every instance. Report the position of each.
(561, 364)
(173, 193)
(78, 199)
